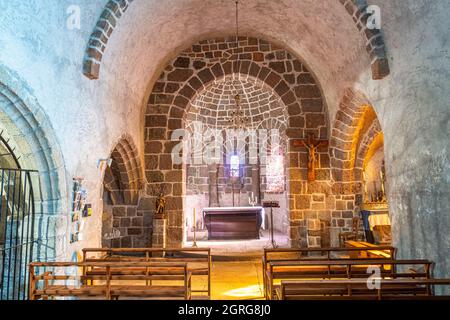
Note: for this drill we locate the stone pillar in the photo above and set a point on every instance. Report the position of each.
(213, 186)
(159, 232)
(256, 183)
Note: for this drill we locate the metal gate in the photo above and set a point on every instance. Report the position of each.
(17, 223)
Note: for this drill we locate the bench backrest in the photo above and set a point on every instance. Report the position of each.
(45, 274)
(380, 252)
(194, 257)
(349, 268)
(358, 289)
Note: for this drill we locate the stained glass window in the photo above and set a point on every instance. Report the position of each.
(234, 166)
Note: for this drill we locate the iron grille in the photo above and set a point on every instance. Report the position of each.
(17, 224)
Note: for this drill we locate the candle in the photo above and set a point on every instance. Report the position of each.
(382, 184)
(194, 244)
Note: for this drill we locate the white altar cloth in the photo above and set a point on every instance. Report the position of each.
(381, 219)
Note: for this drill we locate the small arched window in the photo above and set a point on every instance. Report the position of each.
(234, 166)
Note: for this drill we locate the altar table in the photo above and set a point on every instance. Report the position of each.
(233, 223)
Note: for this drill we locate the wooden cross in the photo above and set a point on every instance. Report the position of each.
(312, 145)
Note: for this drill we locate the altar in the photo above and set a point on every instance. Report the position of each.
(233, 223)
(376, 222)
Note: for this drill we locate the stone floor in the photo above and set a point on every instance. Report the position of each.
(237, 280)
(236, 269)
(242, 248)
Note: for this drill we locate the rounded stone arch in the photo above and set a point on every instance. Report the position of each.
(251, 82)
(277, 68)
(372, 140)
(374, 38)
(284, 96)
(198, 67)
(354, 113)
(115, 9)
(98, 40)
(30, 134)
(123, 180)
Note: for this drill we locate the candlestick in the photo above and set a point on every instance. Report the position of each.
(194, 244)
(375, 190)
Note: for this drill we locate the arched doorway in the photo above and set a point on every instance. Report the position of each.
(17, 221)
(359, 167)
(31, 189)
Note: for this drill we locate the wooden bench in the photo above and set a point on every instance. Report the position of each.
(198, 260)
(372, 249)
(358, 289)
(288, 254)
(341, 269)
(174, 280)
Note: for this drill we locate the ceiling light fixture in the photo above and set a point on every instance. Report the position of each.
(238, 119)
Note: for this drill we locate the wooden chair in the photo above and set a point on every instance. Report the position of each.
(355, 234)
(382, 234)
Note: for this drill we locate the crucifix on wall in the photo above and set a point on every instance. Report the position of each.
(312, 145)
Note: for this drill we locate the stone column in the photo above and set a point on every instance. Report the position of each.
(159, 238)
(213, 186)
(256, 183)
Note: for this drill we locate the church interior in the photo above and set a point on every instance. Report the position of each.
(224, 150)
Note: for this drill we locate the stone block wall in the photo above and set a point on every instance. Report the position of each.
(134, 225)
(194, 71)
(199, 82)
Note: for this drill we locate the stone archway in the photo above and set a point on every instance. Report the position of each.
(31, 136)
(115, 9)
(122, 220)
(209, 183)
(193, 71)
(357, 154)
(347, 127)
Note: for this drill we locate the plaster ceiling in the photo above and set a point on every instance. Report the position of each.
(320, 33)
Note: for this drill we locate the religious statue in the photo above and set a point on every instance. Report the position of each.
(160, 205)
(312, 146)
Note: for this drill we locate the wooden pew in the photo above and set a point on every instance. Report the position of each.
(55, 283)
(341, 269)
(374, 249)
(198, 260)
(358, 289)
(288, 254)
